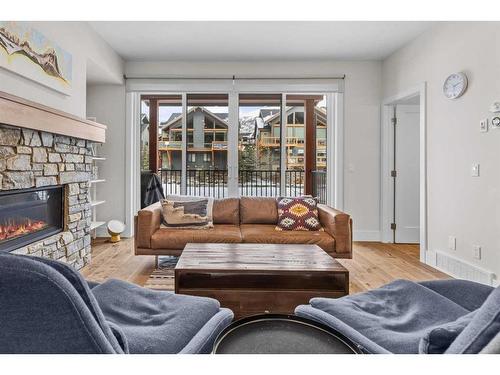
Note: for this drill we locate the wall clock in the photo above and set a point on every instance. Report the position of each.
(455, 85)
(495, 122)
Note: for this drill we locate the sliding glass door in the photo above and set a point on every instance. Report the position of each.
(306, 145)
(161, 143)
(206, 145)
(170, 142)
(259, 140)
(319, 173)
(282, 148)
(238, 144)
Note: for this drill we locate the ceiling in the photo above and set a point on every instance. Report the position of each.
(257, 40)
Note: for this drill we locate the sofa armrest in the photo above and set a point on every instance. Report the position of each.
(148, 221)
(337, 224)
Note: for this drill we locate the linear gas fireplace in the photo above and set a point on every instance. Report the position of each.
(29, 215)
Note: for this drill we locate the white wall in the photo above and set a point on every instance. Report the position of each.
(89, 52)
(361, 115)
(107, 104)
(458, 204)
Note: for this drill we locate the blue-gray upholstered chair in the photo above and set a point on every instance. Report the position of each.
(47, 307)
(443, 316)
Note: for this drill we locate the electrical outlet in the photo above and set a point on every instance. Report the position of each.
(477, 252)
(474, 172)
(483, 125)
(452, 242)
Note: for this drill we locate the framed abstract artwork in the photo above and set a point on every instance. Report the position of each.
(27, 52)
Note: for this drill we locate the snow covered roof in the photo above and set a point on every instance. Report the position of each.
(321, 111)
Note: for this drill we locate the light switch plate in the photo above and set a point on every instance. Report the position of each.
(452, 242)
(474, 172)
(477, 252)
(483, 125)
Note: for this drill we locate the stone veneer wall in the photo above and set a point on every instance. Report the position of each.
(30, 158)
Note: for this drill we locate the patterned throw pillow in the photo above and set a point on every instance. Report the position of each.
(299, 213)
(186, 215)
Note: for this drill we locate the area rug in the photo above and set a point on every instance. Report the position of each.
(162, 278)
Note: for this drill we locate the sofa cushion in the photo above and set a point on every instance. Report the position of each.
(266, 233)
(258, 210)
(226, 211)
(176, 239)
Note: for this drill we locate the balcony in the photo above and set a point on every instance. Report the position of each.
(290, 142)
(321, 143)
(319, 185)
(256, 183)
(219, 146)
(207, 146)
(169, 145)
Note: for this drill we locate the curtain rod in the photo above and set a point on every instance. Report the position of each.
(234, 78)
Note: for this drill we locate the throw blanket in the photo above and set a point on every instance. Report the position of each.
(395, 317)
(150, 321)
(154, 191)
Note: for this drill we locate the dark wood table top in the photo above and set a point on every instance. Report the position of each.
(244, 257)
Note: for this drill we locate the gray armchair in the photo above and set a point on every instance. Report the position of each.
(445, 316)
(47, 307)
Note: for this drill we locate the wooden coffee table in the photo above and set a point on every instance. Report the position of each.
(259, 278)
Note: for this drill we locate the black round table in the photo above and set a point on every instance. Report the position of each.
(281, 334)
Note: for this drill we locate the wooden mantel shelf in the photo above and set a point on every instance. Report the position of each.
(16, 111)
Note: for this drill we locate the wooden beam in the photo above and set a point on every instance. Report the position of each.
(166, 98)
(296, 98)
(16, 111)
(310, 145)
(153, 135)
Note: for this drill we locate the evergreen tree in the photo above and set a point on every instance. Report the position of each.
(248, 158)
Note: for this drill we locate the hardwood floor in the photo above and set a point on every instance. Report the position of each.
(373, 264)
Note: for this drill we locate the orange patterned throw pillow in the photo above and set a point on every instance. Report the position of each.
(299, 213)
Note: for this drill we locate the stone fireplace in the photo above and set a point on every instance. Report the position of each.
(36, 168)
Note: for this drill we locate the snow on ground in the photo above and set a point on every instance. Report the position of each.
(221, 191)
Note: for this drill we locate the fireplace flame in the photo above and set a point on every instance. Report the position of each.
(17, 228)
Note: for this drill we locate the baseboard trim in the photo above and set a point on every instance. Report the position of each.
(459, 268)
(366, 235)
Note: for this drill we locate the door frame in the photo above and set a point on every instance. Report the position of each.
(332, 88)
(387, 154)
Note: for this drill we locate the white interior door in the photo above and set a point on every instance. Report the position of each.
(407, 194)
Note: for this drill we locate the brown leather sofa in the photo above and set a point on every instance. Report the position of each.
(242, 220)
